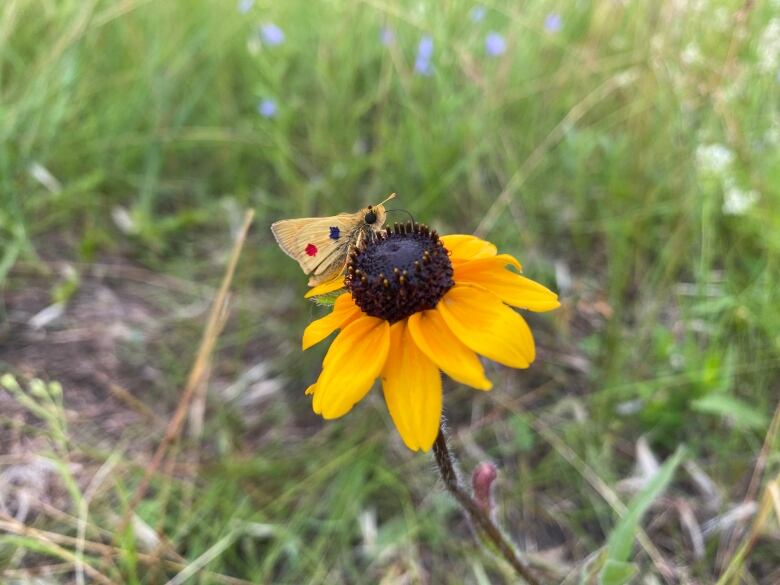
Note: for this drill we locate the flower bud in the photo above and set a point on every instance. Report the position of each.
(482, 481)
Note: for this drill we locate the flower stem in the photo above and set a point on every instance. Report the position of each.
(480, 517)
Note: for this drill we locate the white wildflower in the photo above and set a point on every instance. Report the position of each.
(714, 158)
(737, 201)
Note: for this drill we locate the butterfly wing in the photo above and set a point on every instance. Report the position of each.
(319, 244)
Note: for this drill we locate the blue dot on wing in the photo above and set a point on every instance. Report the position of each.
(334, 233)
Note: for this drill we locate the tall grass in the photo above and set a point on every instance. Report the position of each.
(629, 159)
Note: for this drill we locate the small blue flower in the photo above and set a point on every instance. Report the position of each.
(425, 48)
(553, 22)
(477, 13)
(422, 64)
(423, 67)
(386, 36)
(267, 108)
(495, 44)
(271, 34)
(245, 6)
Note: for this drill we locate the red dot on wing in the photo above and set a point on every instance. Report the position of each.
(311, 250)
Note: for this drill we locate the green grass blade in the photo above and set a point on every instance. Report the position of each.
(621, 541)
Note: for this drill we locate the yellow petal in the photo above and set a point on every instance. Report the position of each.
(344, 312)
(431, 334)
(326, 287)
(510, 287)
(351, 365)
(463, 247)
(412, 387)
(310, 389)
(486, 325)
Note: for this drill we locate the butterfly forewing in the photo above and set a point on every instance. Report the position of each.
(319, 244)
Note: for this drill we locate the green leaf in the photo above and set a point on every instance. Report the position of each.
(617, 572)
(524, 434)
(8, 258)
(743, 414)
(328, 299)
(621, 541)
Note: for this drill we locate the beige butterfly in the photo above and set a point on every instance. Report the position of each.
(321, 244)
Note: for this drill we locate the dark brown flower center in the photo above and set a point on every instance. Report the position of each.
(401, 271)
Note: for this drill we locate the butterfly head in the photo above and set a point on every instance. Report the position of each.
(374, 216)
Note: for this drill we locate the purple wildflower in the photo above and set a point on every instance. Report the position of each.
(387, 36)
(477, 13)
(267, 108)
(495, 44)
(422, 63)
(553, 22)
(245, 6)
(271, 34)
(423, 67)
(425, 48)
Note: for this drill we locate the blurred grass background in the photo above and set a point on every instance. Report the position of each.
(626, 152)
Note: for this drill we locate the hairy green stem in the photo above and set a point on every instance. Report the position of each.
(479, 517)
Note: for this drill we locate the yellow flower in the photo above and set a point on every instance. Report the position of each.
(416, 304)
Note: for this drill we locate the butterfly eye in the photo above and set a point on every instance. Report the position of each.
(370, 217)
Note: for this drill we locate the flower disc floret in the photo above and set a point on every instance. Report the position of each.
(402, 271)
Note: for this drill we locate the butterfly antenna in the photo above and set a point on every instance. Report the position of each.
(403, 211)
(389, 197)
